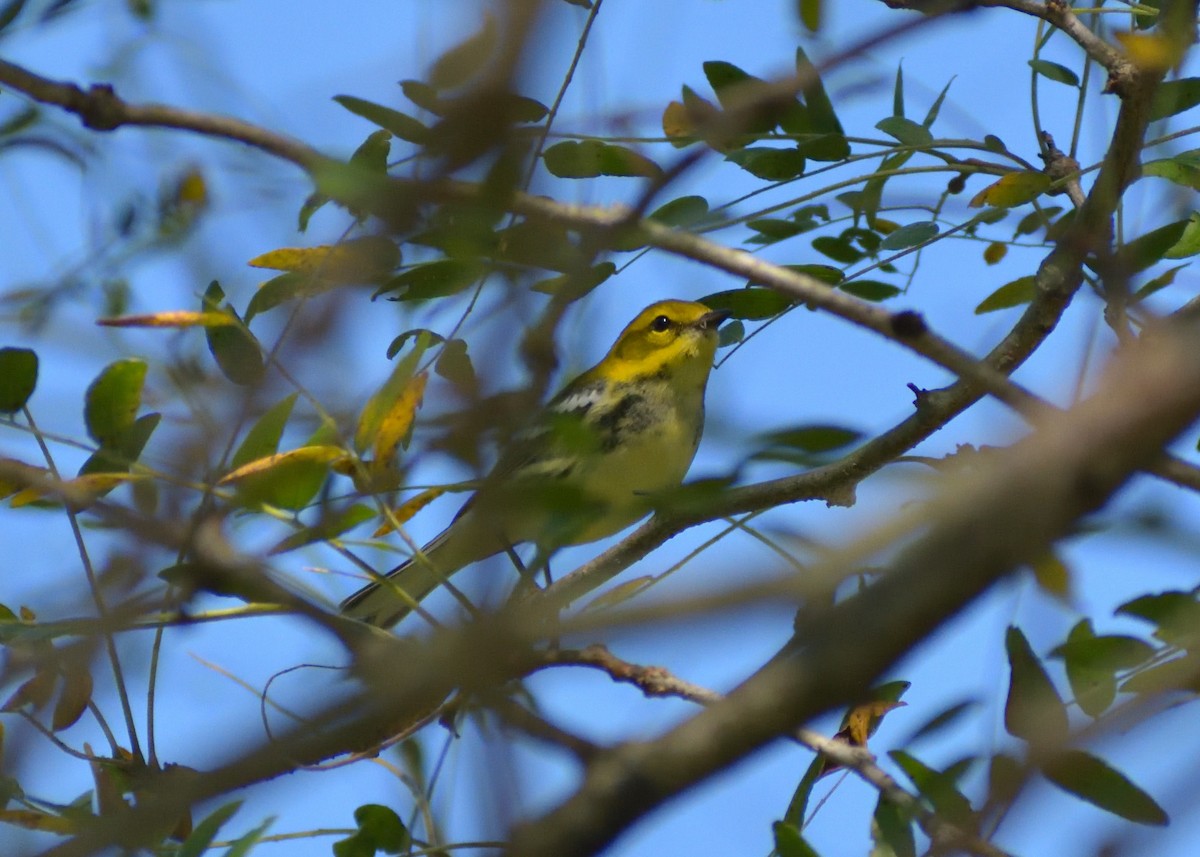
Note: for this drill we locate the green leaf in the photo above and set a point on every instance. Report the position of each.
(372, 153)
(206, 831)
(400, 124)
(682, 212)
(454, 364)
(910, 235)
(383, 826)
(826, 274)
(1176, 616)
(10, 11)
(281, 289)
(808, 445)
(1174, 96)
(1037, 219)
(357, 845)
(264, 436)
(789, 842)
(112, 401)
(434, 279)
(587, 159)
(736, 89)
(942, 719)
(772, 229)
(769, 164)
(463, 61)
(1142, 252)
(233, 346)
(893, 830)
(1160, 282)
(1091, 779)
(120, 456)
(839, 249)
(244, 843)
(1188, 244)
(939, 787)
(731, 334)
(1182, 169)
(423, 95)
(574, 285)
(898, 91)
(822, 117)
(330, 526)
(1055, 72)
(936, 107)
(18, 378)
(1034, 711)
(750, 304)
(870, 290)
(906, 131)
(810, 15)
(1019, 291)
(1092, 663)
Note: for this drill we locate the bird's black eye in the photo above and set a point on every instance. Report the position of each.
(660, 324)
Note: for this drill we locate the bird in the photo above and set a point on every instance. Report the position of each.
(589, 466)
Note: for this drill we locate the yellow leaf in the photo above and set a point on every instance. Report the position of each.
(994, 252)
(79, 493)
(397, 422)
(359, 260)
(171, 318)
(15, 475)
(192, 190)
(317, 454)
(34, 820)
(1151, 51)
(677, 122)
(1012, 189)
(404, 513)
(1052, 576)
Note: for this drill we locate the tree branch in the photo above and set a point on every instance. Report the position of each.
(1009, 511)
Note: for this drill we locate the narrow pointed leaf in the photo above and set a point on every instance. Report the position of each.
(1093, 780)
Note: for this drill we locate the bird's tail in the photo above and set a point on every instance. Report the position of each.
(386, 601)
(389, 599)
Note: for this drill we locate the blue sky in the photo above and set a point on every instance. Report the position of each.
(280, 67)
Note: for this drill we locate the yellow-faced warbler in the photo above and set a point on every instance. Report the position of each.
(620, 433)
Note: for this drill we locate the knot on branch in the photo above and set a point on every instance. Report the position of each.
(100, 108)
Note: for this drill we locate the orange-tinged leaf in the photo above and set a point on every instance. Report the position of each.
(994, 252)
(863, 720)
(171, 318)
(36, 691)
(316, 454)
(33, 820)
(73, 702)
(359, 260)
(1012, 190)
(396, 425)
(405, 512)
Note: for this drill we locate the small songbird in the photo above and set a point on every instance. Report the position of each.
(620, 433)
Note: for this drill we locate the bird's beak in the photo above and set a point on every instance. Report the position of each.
(712, 320)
